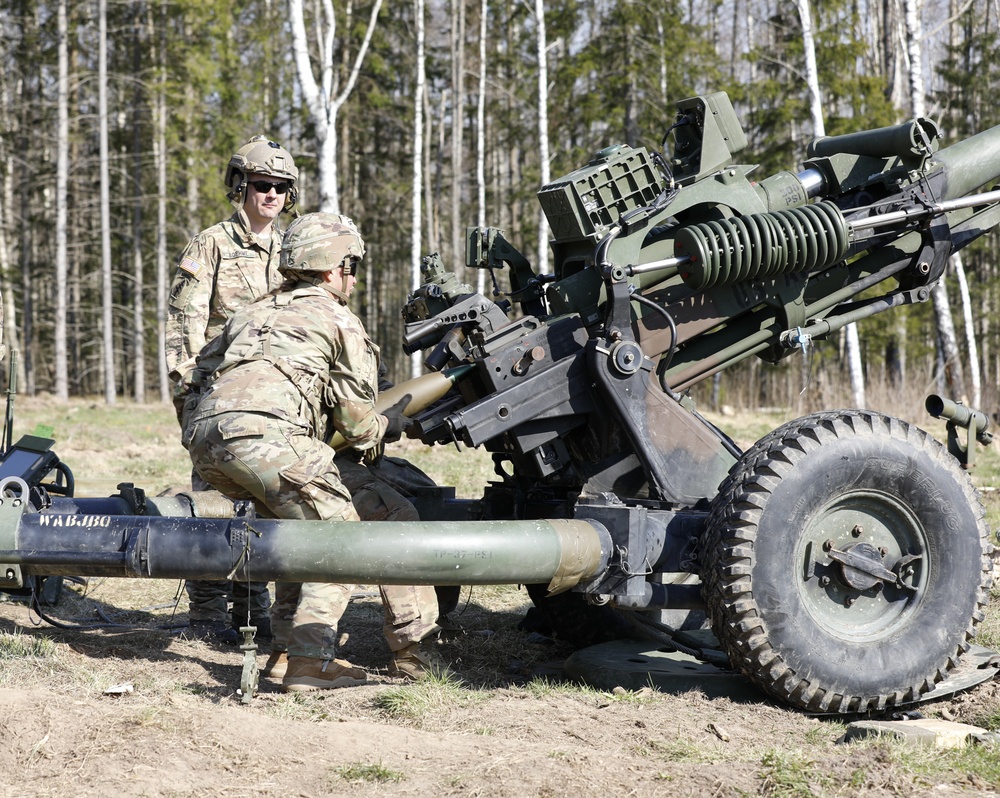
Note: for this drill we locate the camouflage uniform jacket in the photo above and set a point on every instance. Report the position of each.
(222, 269)
(300, 355)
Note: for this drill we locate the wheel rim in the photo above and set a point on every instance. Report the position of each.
(882, 531)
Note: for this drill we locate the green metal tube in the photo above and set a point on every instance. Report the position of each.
(971, 163)
(905, 140)
(558, 552)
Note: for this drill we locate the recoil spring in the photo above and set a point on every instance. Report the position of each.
(762, 245)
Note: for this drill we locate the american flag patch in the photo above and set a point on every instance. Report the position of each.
(191, 266)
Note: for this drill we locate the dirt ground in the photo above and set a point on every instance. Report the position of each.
(133, 708)
(136, 709)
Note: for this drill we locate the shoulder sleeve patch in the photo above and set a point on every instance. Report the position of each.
(191, 266)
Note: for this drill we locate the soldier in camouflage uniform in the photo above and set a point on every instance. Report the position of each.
(285, 372)
(223, 268)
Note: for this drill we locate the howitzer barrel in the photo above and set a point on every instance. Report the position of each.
(560, 552)
(971, 163)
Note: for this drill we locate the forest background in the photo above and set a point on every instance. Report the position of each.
(419, 118)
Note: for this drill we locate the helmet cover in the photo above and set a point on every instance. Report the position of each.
(320, 242)
(261, 156)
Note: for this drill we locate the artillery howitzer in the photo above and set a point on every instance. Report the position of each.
(844, 559)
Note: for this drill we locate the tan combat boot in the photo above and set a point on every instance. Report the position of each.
(308, 673)
(416, 660)
(276, 665)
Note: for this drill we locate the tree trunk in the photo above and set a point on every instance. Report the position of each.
(853, 346)
(10, 330)
(418, 148)
(481, 133)
(948, 357)
(949, 360)
(812, 73)
(138, 315)
(62, 177)
(193, 181)
(542, 262)
(322, 98)
(432, 198)
(108, 354)
(457, 127)
(970, 330)
(160, 158)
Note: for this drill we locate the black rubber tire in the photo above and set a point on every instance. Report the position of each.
(835, 647)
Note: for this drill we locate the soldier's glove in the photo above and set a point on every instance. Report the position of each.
(397, 422)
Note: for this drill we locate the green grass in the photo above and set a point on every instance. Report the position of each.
(678, 750)
(312, 707)
(543, 687)
(989, 720)
(152, 457)
(974, 765)
(790, 774)
(416, 700)
(22, 646)
(358, 772)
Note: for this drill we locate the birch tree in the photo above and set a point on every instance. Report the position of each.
(950, 360)
(107, 297)
(958, 264)
(138, 309)
(9, 315)
(543, 132)
(852, 344)
(160, 163)
(325, 97)
(418, 145)
(481, 135)
(62, 176)
(457, 124)
(8, 311)
(970, 329)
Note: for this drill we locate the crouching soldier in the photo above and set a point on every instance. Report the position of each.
(284, 373)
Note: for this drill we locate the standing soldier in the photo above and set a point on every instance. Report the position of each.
(222, 269)
(285, 372)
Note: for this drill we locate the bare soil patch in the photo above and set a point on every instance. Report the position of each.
(509, 728)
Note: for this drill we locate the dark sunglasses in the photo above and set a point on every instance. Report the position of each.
(263, 186)
(350, 266)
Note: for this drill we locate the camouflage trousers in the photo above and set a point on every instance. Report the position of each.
(289, 474)
(411, 611)
(209, 600)
(408, 480)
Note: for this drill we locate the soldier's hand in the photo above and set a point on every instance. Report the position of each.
(397, 422)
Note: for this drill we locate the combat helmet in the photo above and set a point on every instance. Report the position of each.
(320, 242)
(265, 157)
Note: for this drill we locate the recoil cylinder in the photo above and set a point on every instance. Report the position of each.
(762, 245)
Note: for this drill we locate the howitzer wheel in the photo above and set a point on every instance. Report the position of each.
(846, 562)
